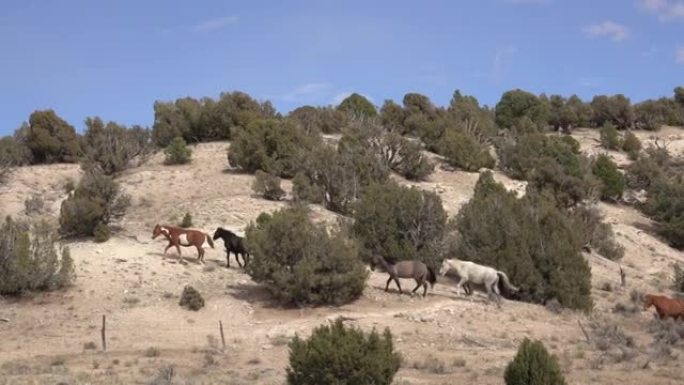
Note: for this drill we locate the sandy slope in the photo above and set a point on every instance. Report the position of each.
(128, 280)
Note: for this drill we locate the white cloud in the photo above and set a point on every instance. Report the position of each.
(666, 10)
(590, 82)
(610, 29)
(306, 91)
(215, 24)
(653, 5)
(649, 52)
(679, 54)
(501, 61)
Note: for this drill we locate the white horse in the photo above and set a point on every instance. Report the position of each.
(477, 275)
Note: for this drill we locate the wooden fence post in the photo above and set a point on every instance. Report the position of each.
(104, 332)
(223, 338)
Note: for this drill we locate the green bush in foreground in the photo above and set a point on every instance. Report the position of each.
(191, 299)
(533, 365)
(339, 355)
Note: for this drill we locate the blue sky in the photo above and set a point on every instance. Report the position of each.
(113, 59)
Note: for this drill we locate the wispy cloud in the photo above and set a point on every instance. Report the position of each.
(652, 50)
(307, 92)
(610, 29)
(215, 24)
(502, 58)
(679, 54)
(667, 10)
(590, 82)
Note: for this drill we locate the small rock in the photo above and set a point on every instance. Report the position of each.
(266, 346)
(98, 251)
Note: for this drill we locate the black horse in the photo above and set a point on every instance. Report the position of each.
(233, 243)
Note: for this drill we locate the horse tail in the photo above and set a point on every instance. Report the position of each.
(431, 276)
(209, 240)
(506, 282)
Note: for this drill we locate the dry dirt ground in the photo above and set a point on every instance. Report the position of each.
(446, 338)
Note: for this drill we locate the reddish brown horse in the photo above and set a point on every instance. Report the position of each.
(178, 236)
(665, 306)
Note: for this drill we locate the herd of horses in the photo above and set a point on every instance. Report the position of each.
(468, 273)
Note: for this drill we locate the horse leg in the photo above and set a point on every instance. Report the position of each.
(167, 248)
(419, 284)
(495, 287)
(237, 255)
(200, 254)
(180, 256)
(488, 287)
(398, 285)
(388, 282)
(425, 287)
(460, 283)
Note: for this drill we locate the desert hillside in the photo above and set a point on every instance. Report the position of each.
(446, 338)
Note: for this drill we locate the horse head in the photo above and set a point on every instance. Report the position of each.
(446, 266)
(156, 231)
(217, 233)
(373, 263)
(648, 301)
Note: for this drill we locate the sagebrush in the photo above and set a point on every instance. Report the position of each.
(535, 242)
(268, 186)
(399, 223)
(533, 365)
(191, 298)
(177, 152)
(31, 259)
(341, 355)
(301, 262)
(97, 199)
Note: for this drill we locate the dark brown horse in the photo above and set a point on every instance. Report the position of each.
(178, 236)
(665, 306)
(417, 270)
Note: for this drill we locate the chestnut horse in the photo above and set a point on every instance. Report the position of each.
(178, 236)
(665, 306)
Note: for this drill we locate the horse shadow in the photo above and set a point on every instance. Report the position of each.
(235, 171)
(252, 293)
(431, 292)
(175, 258)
